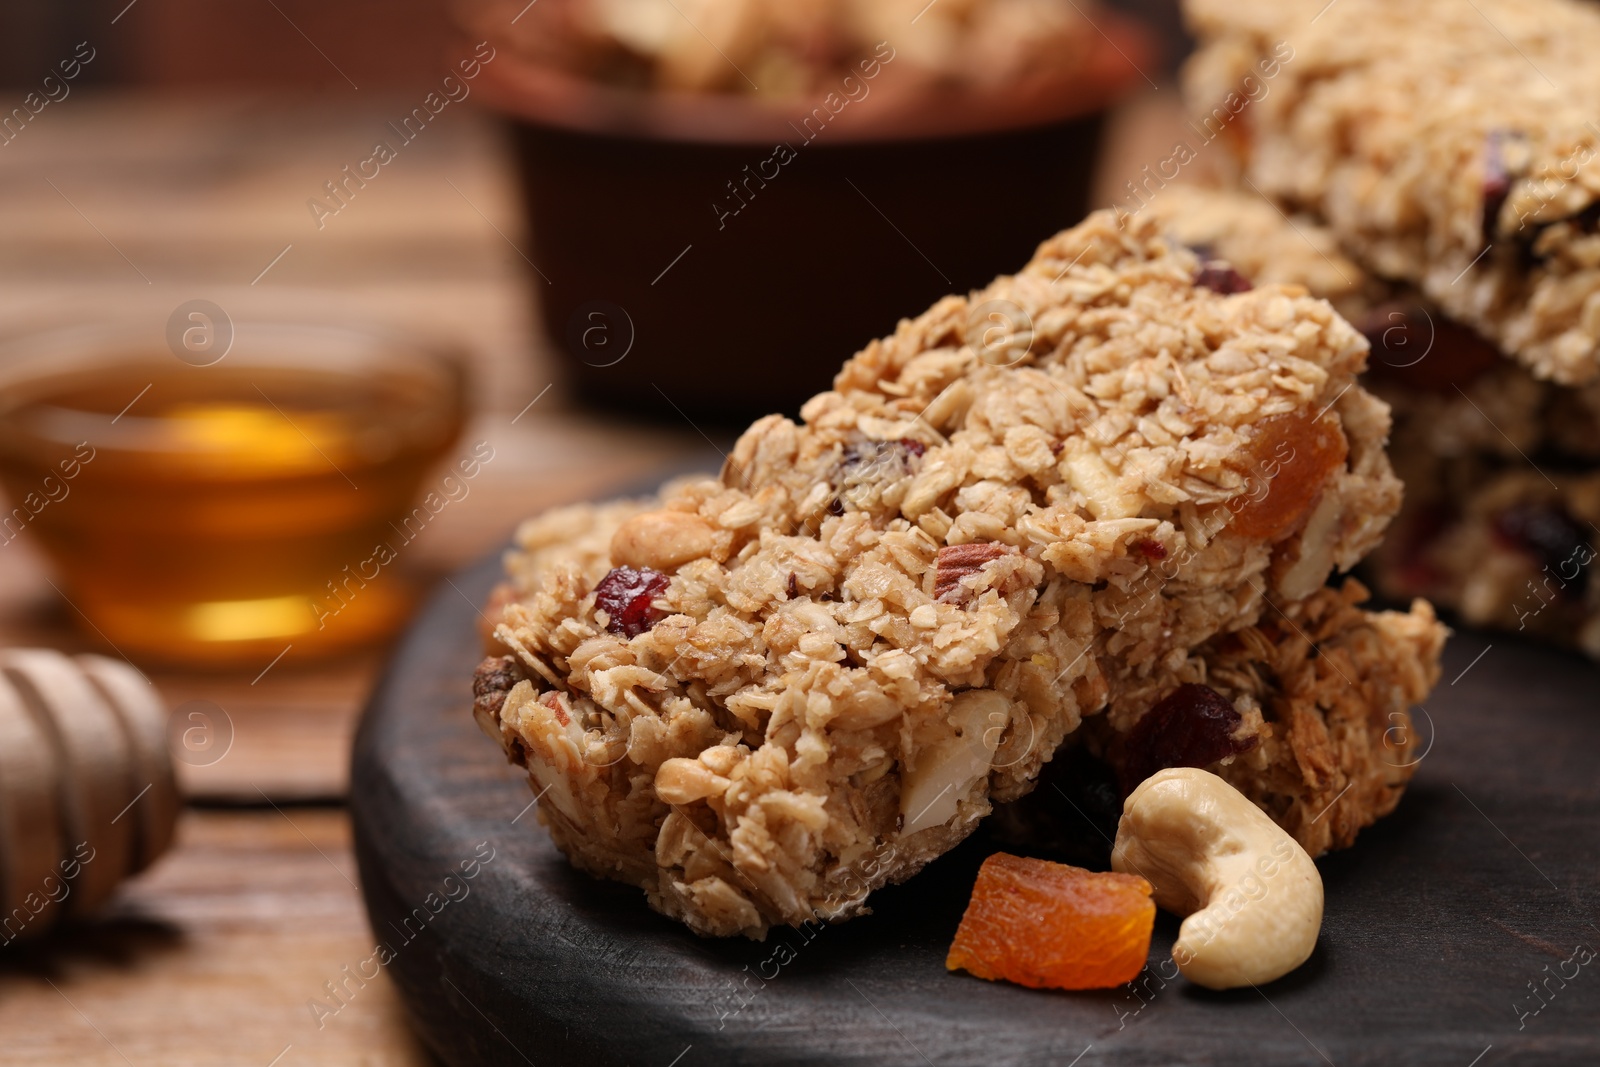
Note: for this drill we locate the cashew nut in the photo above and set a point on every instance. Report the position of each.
(1252, 896)
(662, 540)
(931, 791)
(684, 781)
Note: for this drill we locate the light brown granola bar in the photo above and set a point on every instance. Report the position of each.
(1502, 470)
(1258, 239)
(1452, 146)
(769, 693)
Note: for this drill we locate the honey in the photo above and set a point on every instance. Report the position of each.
(219, 515)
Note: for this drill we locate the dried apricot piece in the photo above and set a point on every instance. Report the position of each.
(1289, 458)
(1050, 926)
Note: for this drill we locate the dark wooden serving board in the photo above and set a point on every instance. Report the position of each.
(1485, 880)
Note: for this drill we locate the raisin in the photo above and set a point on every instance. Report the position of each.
(1219, 276)
(1427, 352)
(1550, 535)
(955, 562)
(1192, 726)
(495, 677)
(626, 596)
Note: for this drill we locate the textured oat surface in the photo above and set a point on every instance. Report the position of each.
(1025, 507)
(1257, 238)
(1324, 692)
(1502, 494)
(1427, 132)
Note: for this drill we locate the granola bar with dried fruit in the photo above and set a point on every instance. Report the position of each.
(1452, 147)
(1307, 713)
(1502, 470)
(790, 48)
(1022, 509)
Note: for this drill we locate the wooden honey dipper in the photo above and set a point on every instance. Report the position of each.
(87, 792)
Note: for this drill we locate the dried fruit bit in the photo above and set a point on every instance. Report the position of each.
(1192, 726)
(626, 596)
(1424, 351)
(1550, 535)
(1289, 458)
(1150, 549)
(955, 562)
(1219, 276)
(495, 677)
(1050, 926)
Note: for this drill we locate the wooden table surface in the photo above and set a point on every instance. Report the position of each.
(136, 204)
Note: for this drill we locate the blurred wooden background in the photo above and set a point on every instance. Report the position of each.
(179, 167)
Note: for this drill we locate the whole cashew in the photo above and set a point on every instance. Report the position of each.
(1252, 896)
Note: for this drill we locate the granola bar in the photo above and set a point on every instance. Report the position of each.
(766, 694)
(1449, 146)
(1502, 470)
(1323, 693)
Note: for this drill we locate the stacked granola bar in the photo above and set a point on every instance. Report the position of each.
(1451, 151)
(1099, 498)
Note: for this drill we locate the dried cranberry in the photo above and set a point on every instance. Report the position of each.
(1424, 350)
(1550, 535)
(1219, 276)
(915, 447)
(1150, 549)
(1192, 726)
(626, 596)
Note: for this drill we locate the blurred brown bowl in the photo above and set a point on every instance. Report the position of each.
(686, 261)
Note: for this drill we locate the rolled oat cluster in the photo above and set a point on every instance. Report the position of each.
(1059, 507)
(1449, 152)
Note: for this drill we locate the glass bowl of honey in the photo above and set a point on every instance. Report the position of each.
(232, 491)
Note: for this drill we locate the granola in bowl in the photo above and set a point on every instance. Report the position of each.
(763, 695)
(784, 48)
